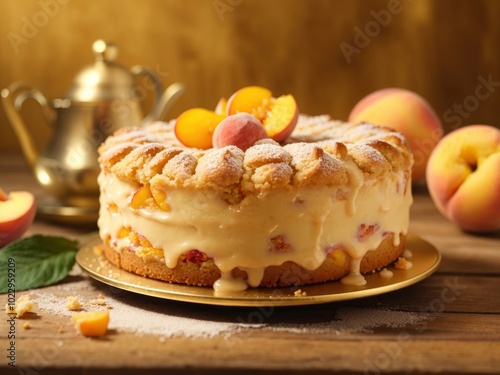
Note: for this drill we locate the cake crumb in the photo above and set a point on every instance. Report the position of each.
(99, 301)
(299, 293)
(403, 264)
(21, 306)
(72, 303)
(26, 325)
(98, 250)
(100, 296)
(386, 274)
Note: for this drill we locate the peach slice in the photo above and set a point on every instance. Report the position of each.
(17, 211)
(282, 118)
(92, 323)
(195, 127)
(241, 130)
(251, 99)
(278, 115)
(3, 196)
(142, 198)
(221, 107)
(149, 197)
(160, 198)
(123, 232)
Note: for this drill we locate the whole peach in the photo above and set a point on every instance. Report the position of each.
(463, 177)
(407, 113)
(241, 130)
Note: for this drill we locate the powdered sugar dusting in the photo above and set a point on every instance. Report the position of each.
(366, 152)
(144, 315)
(354, 320)
(265, 153)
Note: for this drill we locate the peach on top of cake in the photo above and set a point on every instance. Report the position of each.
(254, 191)
(267, 116)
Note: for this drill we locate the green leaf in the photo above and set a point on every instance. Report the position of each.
(36, 261)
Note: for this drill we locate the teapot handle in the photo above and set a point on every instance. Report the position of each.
(162, 100)
(13, 98)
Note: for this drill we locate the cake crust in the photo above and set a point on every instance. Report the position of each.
(312, 156)
(206, 273)
(328, 162)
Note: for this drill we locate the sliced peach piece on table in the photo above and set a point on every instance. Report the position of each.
(17, 211)
(195, 127)
(92, 323)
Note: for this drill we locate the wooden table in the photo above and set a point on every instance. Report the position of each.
(461, 334)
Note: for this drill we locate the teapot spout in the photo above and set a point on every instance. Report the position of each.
(13, 98)
(164, 103)
(162, 100)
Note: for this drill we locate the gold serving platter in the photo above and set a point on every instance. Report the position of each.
(425, 260)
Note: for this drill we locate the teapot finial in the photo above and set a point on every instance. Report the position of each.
(104, 51)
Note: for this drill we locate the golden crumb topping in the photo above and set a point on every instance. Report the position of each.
(315, 154)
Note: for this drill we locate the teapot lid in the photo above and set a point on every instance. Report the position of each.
(104, 80)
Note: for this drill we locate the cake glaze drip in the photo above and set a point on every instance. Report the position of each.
(305, 228)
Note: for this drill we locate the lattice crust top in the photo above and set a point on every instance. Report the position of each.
(315, 154)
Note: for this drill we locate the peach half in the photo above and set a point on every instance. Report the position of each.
(463, 177)
(407, 113)
(279, 116)
(195, 127)
(17, 211)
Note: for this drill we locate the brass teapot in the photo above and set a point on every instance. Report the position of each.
(102, 99)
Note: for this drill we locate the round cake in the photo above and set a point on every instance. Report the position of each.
(330, 202)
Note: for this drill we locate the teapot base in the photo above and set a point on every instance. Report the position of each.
(51, 209)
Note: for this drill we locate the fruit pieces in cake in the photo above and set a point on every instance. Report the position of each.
(149, 196)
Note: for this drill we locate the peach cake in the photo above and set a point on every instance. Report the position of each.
(329, 202)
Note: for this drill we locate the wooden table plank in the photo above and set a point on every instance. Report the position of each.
(458, 333)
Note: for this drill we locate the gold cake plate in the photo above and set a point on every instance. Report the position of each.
(425, 260)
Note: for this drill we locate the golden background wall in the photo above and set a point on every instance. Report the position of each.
(328, 53)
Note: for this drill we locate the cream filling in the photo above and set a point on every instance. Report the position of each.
(309, 220)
